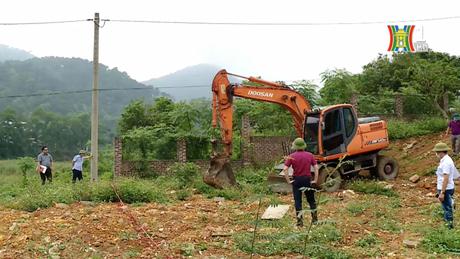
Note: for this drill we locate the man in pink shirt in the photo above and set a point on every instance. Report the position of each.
(301, 162)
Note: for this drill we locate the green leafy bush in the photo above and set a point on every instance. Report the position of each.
(398, 129)
(371, 187)
(185, 173)
(368, 240)
(442, 240)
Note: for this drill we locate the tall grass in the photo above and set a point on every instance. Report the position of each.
(399, 129)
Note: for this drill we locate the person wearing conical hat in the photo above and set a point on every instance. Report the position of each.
(301, 162)
(454, 129)
(445, 181)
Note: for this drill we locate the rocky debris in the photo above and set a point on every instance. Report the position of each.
(14, 227)
(409, 146)
(88, 203)
(347, 194)
(219, 199)
(415, 178)
(430, 194)
(61, 205)
(389, 187)
(410, 243)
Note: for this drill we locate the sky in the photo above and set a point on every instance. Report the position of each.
(287, 53)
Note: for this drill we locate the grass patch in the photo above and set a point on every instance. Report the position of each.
(35, 196)
(399, 129)
(371, 187)
(356, 208)
(368, 240)
(442, 240)
(319, 245)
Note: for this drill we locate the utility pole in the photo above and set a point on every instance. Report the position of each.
(95, 102)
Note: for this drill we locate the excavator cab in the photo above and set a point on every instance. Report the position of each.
(329, 131)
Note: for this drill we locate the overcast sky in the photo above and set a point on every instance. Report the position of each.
(284, 53)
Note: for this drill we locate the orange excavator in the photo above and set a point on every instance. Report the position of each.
(341, 143)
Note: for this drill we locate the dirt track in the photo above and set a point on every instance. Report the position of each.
(204, 227)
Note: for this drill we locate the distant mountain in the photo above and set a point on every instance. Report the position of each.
(63, 85)
(192, 82)
(9, 53)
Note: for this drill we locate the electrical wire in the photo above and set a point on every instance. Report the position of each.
(43, 22)
(75, 92)
(284, 23)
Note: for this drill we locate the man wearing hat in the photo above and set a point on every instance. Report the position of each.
(77, 166)
(301, 162)
(445, 181)
(454, 129)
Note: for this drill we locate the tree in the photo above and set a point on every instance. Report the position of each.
(435, 79)
(308, 89)
(339, 86)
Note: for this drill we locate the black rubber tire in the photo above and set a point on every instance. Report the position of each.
(387, 168)
(329, 182)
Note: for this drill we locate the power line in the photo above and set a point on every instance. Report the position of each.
(73, 92)
(284, 23)
(43, 22)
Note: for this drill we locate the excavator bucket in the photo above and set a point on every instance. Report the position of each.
(276, 181)
(220, 173)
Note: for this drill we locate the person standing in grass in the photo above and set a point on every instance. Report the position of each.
(45, 164)
(77, 166)
(445, 174)
(301, 162)
(454, 129)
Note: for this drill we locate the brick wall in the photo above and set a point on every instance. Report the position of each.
(256, 151)
(267, 149)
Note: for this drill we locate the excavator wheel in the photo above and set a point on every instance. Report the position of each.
(220, 173)
(329, 179)
(387, 168)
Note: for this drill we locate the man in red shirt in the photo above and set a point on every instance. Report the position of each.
(301, 162)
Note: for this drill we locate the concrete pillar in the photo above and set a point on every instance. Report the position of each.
(354, 101)
(118, 156)
(399, 105)
(181, 150)
(246, 139)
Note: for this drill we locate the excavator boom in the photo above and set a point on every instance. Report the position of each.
(220, 173)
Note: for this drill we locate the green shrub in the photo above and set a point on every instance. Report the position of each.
(368, 240)
(398, 129)
(356, 208)
(442, 240)
(185, 173)
(371, 187)
(286, 242)
(183, 194)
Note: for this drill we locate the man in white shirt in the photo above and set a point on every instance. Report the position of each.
(77, 166)
(445, 181)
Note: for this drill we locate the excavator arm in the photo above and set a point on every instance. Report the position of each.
(220, 173)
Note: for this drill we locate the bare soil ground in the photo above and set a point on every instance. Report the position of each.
(205, 228)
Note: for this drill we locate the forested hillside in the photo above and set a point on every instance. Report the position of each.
(47, 101)
(9, 53)
(189, 83)
(49, 80)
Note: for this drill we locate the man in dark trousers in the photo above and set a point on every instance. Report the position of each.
(45, 164)
(454, 129)
(445, 174)
(301, 162)
(77, 166)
